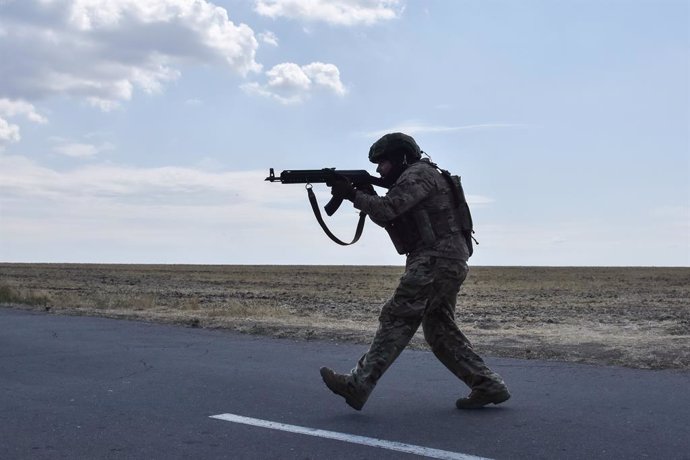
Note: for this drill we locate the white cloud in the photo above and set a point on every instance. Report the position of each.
(12, 108)
(290, 83)
(80, 150)
(325, 75)
(8, 133)
(111, 213)
(579, 243)
(77, 150)
(681, 213)
(339, 12)
(129, 44)
(21, 177)
(268, 38)
(288, 77)
(413, 128)
(477, 201)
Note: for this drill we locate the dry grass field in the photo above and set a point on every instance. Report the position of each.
(636, 317)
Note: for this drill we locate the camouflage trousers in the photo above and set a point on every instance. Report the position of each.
(427, 295)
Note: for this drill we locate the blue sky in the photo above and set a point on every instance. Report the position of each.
(140, 131)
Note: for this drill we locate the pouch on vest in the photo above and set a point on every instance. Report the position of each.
(403, 234)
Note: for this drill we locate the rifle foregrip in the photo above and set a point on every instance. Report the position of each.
(333, 205)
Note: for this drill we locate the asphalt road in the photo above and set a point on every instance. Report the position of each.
(79, 387)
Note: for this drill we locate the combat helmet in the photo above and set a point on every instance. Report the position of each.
(395, 147)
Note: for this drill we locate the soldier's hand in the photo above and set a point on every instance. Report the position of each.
(366, 188)
(343, 189)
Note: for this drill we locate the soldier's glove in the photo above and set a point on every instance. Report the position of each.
(366, 188)
(343, 189)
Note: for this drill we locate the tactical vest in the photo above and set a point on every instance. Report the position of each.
(421, 228)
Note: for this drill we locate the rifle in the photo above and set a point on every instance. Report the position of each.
(357, 177)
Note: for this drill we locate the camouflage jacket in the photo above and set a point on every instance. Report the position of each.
(419, 214)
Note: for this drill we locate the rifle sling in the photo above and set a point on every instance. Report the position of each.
(319, 219)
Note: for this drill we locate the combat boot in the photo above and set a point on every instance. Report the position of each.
(478, 398)
(342, 385)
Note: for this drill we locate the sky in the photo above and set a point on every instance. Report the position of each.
(141, 131)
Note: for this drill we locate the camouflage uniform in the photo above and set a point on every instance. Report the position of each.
(428, 289)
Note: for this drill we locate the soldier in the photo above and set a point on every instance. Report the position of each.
(423, 221)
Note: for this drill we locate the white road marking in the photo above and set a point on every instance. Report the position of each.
(373, 442)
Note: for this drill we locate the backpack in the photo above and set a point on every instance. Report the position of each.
(461, 206)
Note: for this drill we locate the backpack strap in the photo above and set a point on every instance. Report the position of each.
(319, 219)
